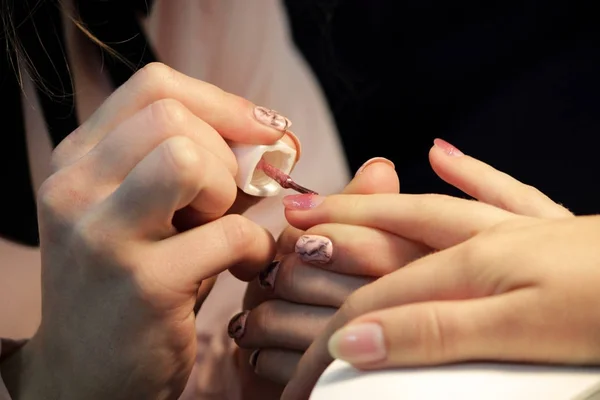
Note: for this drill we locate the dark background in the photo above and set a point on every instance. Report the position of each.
(514, 83)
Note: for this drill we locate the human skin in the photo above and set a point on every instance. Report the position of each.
(134, 217)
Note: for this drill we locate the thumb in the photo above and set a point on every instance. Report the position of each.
(377, 175)
(434, 333)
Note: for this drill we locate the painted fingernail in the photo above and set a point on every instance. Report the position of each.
(314, 249)
(302, 201)
(237, 325)
(254, 358)
(266, 278)
(447, 148)
(358, 344)
(374, 160)
(271, 118)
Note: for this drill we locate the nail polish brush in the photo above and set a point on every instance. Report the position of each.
(263, 170)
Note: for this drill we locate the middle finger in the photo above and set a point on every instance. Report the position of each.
(117, 154)
(357, 250)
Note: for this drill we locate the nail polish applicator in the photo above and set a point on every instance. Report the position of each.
(263, 170)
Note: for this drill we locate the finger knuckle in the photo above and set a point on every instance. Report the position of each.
(239, 233)
(168, 116)
(49, 194)
(59, 195)
(473, 252)
(58, 155)
(181, 164)
(472, 255)
(154, 75)
(433, 335)
(180, 154)
(522, 198)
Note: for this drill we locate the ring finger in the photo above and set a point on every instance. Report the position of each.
(292, 280)
(279, 324)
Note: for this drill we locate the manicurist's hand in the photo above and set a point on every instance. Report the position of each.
(135, 217)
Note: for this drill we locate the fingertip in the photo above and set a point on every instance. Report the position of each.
(250, 268)
(276, 123)
(440, 163)
(377, 175)
(360, 344)
(374, 161)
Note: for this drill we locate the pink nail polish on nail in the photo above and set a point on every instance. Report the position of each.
(302, 201)
(314, 249)
(447, 148)
(272, 118)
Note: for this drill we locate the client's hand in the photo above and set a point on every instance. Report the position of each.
(336, 259)
(131, 223)
(504, 286)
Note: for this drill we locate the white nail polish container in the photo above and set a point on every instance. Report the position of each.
(254, 181)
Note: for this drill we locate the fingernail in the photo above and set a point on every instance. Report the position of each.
(447, 148)
(302, 201)
(314, 249)
(271, 118)
(374, 160)
(254, 358)
(266, 278)
(237, 325)
(358, 344)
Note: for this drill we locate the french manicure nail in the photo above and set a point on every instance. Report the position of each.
(358, 344)
(254, 358)
(237, 325)
(374, 160)
(266, 278)
(302, 201)
(271, 118)
(447, 148)
(314, 249)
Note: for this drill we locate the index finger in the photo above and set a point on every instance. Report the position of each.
(235, 118)
(435, 220)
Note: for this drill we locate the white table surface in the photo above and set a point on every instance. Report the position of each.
(463, 382)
